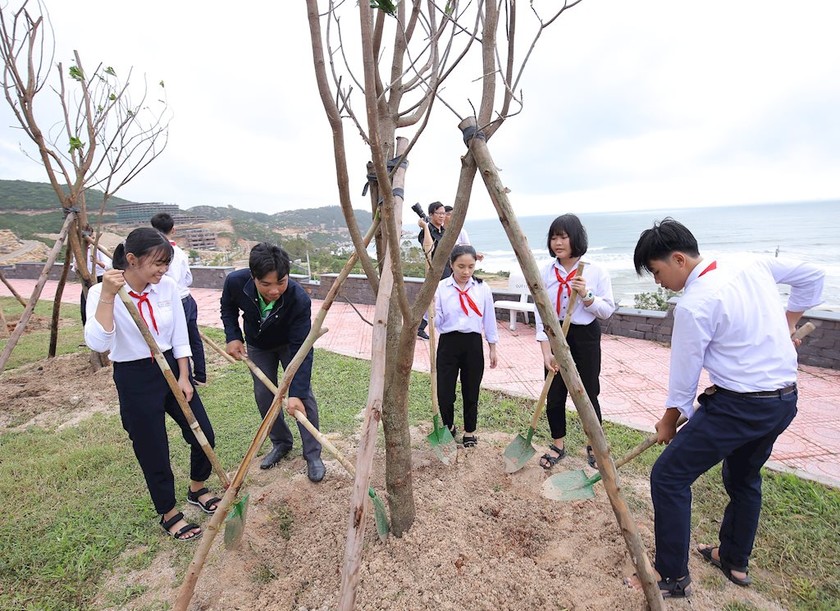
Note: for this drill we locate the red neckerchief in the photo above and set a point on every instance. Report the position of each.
(141, 299)
(712, 266)
(465, 300)
(567, 284)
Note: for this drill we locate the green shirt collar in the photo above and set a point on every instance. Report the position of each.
(265, 308)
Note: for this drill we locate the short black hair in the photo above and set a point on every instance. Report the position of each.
(163, 222)
(434, 206)
(658, 243)
(448, 208)
(266, 258)
(570, 225)
(142, 242)
(463, 249)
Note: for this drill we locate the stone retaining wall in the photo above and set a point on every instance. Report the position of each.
(821, 349)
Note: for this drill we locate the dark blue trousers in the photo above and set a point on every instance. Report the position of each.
(740, 431)
(145, 399)
(199, 368)
(268, 361)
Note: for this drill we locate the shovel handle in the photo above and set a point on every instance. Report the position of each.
(567, 321)
(300, 416)
(648, 442)
(804, 330)
(173, 386)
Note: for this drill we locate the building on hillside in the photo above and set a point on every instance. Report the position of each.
(200, 239)
(134, 213)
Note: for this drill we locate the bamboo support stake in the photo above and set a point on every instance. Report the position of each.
(15, 294)
(36, 293)
(498, 194)
(211, 528)
(173, 386)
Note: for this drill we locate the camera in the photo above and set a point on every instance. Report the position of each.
(418, 210)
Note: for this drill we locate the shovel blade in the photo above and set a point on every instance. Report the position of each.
(380, 515)
(235, 523)
(568, 486)
(518, 453)
(442, 443)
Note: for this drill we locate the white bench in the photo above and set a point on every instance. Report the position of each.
(516, 284)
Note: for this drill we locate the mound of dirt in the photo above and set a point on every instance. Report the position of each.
(482, 540)
(55, 392)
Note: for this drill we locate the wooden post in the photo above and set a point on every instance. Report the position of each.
(373, 414)
(39, 286)
(15, 294)
(498, 194)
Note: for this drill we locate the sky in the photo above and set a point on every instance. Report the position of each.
(654, 104)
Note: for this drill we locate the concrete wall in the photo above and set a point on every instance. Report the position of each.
(821, 349)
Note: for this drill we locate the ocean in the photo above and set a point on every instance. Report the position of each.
(801, 231)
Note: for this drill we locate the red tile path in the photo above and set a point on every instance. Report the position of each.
(633, 379)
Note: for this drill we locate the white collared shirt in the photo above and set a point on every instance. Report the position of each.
(730, 321)
(125, 341)
(597, 281)
(449, 315)
(179, 270)
(103, 262)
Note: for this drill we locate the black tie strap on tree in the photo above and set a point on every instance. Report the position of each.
(471, 132)
(73, 209)
(391, 165)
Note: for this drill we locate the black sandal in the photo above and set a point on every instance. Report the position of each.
(180, 535)
(470, 441)
(725, 567)
(209, 506)
(550, 460)
(590, 457)
(675, 588)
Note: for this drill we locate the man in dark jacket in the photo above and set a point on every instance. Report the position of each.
(276, 315)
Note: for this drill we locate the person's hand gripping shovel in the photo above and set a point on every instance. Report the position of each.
(520, 451)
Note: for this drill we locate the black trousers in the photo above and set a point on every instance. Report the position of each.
(585, 345)
(459, 353)
(199, 367)
(145, 399)
(268, 361)
(83, 298)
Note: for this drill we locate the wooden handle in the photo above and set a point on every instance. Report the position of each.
(804, 331)
(648, 442)
(173, 386)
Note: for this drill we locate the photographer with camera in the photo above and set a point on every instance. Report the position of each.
(435, 221)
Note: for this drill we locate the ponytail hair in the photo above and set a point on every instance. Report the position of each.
(142, 242)
(464, 249)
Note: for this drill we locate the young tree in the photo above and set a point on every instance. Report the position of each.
(103, 130)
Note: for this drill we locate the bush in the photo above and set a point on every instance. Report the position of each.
(653, 301)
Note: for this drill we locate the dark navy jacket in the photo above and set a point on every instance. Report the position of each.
(288, 323)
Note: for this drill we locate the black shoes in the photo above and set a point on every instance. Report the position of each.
(590, 457)
(274, 456)
(315, 470)
(422, 334)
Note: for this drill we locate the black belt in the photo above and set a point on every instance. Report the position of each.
(759, 394)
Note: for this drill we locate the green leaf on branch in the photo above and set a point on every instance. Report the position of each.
(112, 97)
(110, 70)
(161, 83)
(385, 5)
(76, 74)
(75, 144)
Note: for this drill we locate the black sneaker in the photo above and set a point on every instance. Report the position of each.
(470, 441)
(422, 334)
(274, 456)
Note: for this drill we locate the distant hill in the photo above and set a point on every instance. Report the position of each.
(31, 208)
(23, 195)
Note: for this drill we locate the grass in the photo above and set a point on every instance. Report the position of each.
(81, 507)
(33, 346)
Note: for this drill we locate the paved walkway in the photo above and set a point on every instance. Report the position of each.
(633, 379)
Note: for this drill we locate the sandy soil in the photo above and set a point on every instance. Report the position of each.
(482, 539)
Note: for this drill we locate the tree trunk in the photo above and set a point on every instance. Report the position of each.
(57, 303)
(568, 369)
(39, 286)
